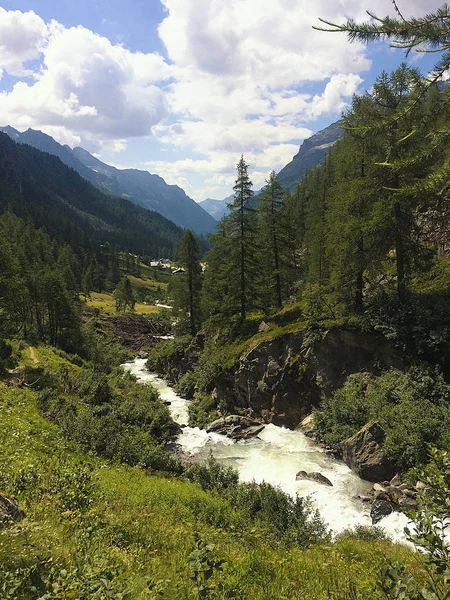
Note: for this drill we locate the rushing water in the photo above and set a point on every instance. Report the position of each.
(275, 456)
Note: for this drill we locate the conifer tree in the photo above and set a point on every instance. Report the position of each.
(124, 295)
(187, 286)
(272, 233)
(241, 229)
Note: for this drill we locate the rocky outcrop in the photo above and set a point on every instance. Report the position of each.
(236, 427)
(9, 511)
(282, 379)
(317, 477)
(365, 455)
(392, 496)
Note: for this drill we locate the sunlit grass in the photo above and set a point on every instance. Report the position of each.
(106, 303)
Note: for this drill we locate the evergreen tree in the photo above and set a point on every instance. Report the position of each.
(272, 233)
(414, 33)
(241, 231)
(124, 295)
(187, 286)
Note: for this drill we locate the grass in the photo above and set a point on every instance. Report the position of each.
(95, 529)
(106, 303)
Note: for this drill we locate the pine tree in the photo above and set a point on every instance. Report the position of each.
(429, 33)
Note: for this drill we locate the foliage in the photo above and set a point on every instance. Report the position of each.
(290, 520)
(124, 295)
(186, 287)
(412, 407)
(429, 535)
(202, 566)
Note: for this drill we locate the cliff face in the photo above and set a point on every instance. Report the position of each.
(282, 379)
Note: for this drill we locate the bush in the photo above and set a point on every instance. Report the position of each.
(413, 407)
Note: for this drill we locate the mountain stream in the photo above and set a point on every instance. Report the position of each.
(275, 456)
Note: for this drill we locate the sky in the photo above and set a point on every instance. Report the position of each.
(182, 88)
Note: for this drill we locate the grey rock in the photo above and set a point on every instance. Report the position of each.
(380, 509)
(9, 511)
(236, 427)
(396, 481)
(364, 453)
(317, 477)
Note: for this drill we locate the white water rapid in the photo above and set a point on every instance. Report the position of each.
(275, 456)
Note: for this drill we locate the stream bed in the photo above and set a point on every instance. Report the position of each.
(275, 456)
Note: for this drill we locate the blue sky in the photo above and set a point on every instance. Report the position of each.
(183, 87)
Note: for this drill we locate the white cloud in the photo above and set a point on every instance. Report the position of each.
(89, 88)
(239, 81)
(22, 38)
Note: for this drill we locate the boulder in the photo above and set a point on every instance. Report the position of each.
(396, 481)
(9, 511)
(317, 477)
(236, 427)
(307, 425)
(364, 453)
(407, 503)
(377, 487)
(379, 510)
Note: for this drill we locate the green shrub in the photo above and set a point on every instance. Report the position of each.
(413, 407)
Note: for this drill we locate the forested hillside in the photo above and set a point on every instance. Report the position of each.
(39, 185)
(141, 187)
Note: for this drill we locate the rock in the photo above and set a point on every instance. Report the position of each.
(365, 498)
(381, 496)
(379, 510)
(9, 511)
(396, 481)
(236, 427)
(394, 493)
(307, 425)
(364, 453)
(282, 379)
(263, 327)
(377, 487)
(317, 477)
(406, 503)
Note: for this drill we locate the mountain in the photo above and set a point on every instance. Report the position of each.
(141, 187)
(38, 185)
(216, 208)
(311, 153)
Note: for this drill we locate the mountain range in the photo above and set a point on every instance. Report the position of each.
(38, 186)
(141, 187)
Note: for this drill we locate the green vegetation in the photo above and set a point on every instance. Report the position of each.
(95, 529)
(413, 407)
(186, 287)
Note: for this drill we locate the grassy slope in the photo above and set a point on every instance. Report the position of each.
(98, 530)
(106, 302)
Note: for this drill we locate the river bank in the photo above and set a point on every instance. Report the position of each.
(276, 455)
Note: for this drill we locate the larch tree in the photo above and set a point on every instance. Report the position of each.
(187, 286)
(272, 233)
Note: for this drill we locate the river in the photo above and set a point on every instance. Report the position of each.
(275, 456)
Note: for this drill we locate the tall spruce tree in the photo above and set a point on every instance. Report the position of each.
(240, 228)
